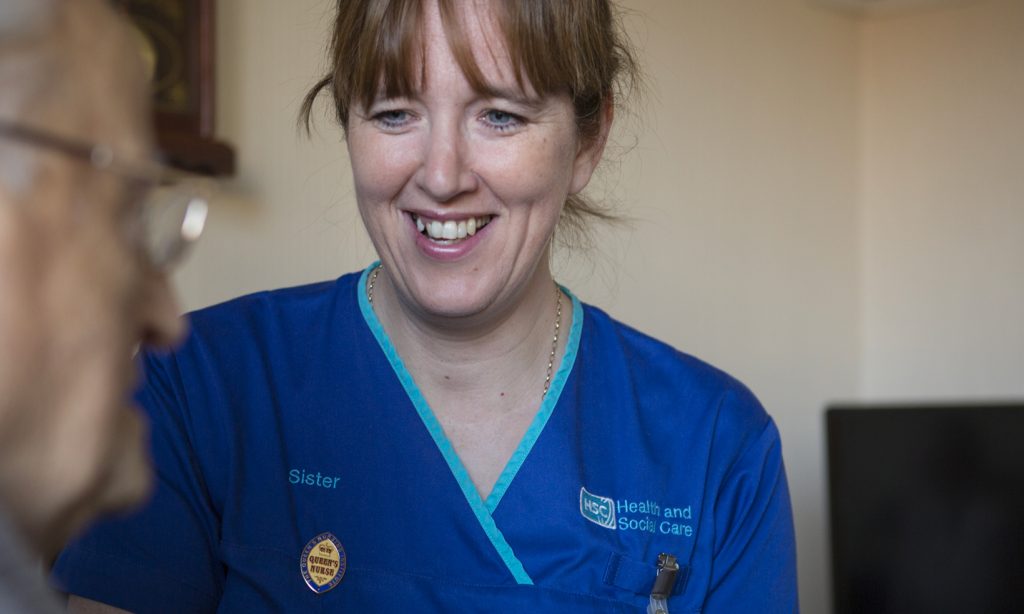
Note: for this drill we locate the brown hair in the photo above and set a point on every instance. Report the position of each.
(557, 46)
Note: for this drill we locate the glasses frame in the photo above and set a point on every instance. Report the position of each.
(102, 158)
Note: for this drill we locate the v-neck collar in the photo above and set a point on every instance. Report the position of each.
(483, 510)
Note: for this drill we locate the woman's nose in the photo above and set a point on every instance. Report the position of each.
(445, 172)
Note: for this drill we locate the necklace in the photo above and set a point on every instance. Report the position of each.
(554, 338)
(373, 280)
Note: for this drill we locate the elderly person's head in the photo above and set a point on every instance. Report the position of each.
(78, 293)
(472, 129)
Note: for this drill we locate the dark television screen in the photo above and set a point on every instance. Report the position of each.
(927, 509)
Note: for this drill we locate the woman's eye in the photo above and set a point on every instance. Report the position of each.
(393, 119)
(502, 120)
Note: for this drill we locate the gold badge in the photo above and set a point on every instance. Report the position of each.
(323, 563)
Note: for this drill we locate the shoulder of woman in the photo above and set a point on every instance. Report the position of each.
(656, 360)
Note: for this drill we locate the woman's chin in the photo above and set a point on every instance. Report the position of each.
(476, 293)
(457, 308)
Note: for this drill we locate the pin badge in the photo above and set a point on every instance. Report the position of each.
(323, 563)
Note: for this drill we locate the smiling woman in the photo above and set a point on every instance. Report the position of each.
(497, 445)
(447, 153)
(551, 48)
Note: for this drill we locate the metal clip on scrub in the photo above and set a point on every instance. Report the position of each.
(664, 582)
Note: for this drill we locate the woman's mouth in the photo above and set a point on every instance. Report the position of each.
(449, 231)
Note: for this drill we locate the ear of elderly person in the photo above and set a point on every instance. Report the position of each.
(450, 430)
(82, 280)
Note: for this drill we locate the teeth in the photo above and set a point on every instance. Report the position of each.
(451, 230)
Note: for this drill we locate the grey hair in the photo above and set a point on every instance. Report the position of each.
(23, 75)
(23, 17)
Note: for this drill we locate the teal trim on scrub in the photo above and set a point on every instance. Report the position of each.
(458, 470)
(546, 407)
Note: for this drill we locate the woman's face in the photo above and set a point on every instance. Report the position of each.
(460, 192)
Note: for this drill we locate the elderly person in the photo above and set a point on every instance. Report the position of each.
(450, 430)
(82, 279)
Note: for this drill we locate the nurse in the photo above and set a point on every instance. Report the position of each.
(449, 430)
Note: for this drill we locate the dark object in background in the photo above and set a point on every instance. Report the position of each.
(176, 39)
(927, 507)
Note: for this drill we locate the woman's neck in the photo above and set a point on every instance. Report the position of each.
(494, 360)
(483, 377)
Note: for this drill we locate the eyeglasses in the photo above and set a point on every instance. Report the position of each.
(171, 207)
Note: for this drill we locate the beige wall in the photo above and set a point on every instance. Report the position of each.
(943, 180)
(777, 172)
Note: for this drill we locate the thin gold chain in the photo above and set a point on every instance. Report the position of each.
(373, 280)
(554, 338)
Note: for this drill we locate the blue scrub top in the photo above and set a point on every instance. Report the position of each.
(288, 415)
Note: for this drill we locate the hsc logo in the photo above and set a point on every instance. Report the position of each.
(596, 509)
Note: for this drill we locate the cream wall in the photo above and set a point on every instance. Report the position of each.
(765, 226)
(943, 247)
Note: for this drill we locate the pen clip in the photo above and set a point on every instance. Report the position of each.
(664, 582)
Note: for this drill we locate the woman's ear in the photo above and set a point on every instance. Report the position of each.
(591, 150)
